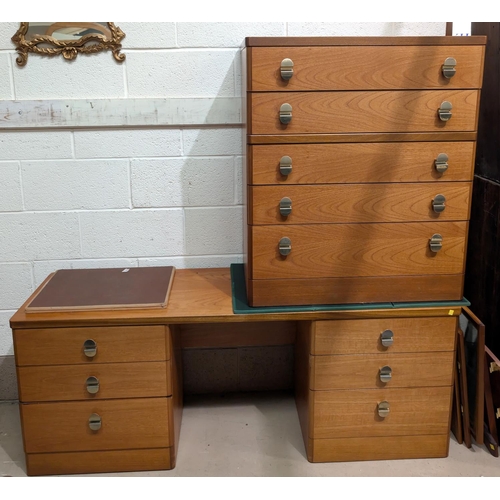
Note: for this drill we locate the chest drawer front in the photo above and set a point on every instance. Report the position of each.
(365, 68)
(346, 250)
(340, 203)
(361, 162)
(79, 382)
(354, 413)
(363, 111)
(125, 424)
(363, 371)
(364, 336)
(65, 346)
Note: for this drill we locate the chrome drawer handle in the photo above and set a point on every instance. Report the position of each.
(438, 203)
(285, 113)
(95, 422)
(383, 409)
(385, 374)
(444, 111)
(436, 243)
(441, 162)
(92, 385)
(449, 69)
(285, 246)
(285, 206)
(387, 338)
(285, 165)
(90, 348)
(286, 69)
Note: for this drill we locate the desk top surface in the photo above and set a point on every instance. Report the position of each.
(200, 296)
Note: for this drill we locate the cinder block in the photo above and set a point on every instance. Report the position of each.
(193, 262)
(212, 142)
(132, 233)
(182, 182)
(39, 236)
(43, 268)
(181, 73)
(147, 35)
(223, 34)
(11, 198)
(238, 179)
(86, 77)
(340, 29)
(76, 184)
(7, 31)
(6, 344)
(16, 284)
(8, 387)
(5, 86)
(214, 231)
(34, 145)
(126, 143)
(419, 29)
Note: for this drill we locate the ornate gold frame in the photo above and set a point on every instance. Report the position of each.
(68, 48)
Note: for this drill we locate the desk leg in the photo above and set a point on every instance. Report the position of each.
(175, 418)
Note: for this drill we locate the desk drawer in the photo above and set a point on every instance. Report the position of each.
(341, 203)
(363, 371)
(367, 162)
(364, 67)
(125, 424)
(367, 111)
(65, 346)
(348, 250)
(112, 381)
(354, 413)
(364, 336)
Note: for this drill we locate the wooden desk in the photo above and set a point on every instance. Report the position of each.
(129, 419)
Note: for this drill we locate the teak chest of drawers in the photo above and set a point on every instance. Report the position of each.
(359, 167)
(101, 391)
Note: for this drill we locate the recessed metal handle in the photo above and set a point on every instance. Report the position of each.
(92, 385)
(285, 206)
(383, 409)
(438, 203)
(441, 162)
(385, 374)
(436, 242)
(285, 165)
(387, 338)
(286, 69)
(285, 113)
(444, 111)
(90, 348)
(95, 422)
(285, 246)
(449, 69)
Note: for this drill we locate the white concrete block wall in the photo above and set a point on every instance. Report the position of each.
(143, 196)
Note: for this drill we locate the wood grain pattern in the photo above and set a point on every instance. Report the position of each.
(367, 162)
(126, 424)
(342, 414)
(176, 401)
(237, 335)
(356, 290)
(64, 346)
(298, 41)
(116, 380)
(343, 203)
(365, 67)
(348, 250)
(379, 448)
(363, 336)
(87, 462)
(363, 111)
(361, 371)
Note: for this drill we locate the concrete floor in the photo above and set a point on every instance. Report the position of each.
(256, 434)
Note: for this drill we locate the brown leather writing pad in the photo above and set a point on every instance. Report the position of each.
(81, 289)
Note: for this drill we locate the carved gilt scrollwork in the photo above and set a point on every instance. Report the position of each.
(69, 49)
